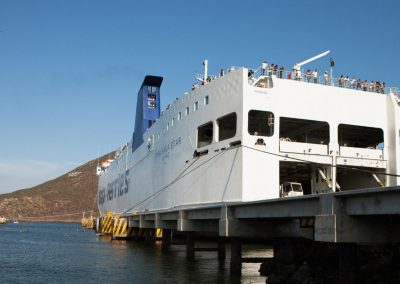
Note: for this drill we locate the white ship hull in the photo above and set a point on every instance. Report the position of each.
(165, 172)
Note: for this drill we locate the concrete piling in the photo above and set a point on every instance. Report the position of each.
(189, 245)
(166, 239)
(221, 249)
(236, 256)
(348, 263)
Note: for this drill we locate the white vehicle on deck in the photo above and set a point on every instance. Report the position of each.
(288, 189)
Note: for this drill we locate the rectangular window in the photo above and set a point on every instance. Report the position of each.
(172, 122)
(360, 136)
(179, 115)
(167, 126)
(187, 111)
(204, 134)
(151, 89)
(151, 100)
(261, 123)
(226, 126)
(151, 104)
(304, 130)
(206, 100)
(196, 106)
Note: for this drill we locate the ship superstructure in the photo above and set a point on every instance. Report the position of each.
(244, 135)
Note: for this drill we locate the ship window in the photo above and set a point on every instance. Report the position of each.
(261, 123)
(206, 100)
(172, 122)
(196, 106)
(180, 115)
(360, 136)
(204, 134)
(304, 130)
(151, 89)
(226, 126)
(151, 104)
(187, 111)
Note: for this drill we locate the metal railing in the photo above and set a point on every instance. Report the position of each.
(255, 73)
(322, 80)
(394, 90)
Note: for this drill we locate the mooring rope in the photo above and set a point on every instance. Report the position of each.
(180, 176)
(316, 163)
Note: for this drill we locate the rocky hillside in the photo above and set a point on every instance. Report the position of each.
(71, 193)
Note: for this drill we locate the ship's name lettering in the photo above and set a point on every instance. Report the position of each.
(165, 151)
(115, 189)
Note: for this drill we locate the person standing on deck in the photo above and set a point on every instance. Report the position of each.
(346, 81)
(281, 69)
(298, 75)
(264, 66)
(308, 75)
(276, 69)
(353, 82)
(358, 84)
(371, 86)
(326, 78)
(315, 76)
(340, 81)
(364, 85)
(270, 69)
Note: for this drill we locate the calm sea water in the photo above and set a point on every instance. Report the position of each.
(67, 253)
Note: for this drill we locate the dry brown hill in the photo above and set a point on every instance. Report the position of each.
(71, 193)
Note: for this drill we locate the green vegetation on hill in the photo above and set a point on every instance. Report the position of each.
(60, 199)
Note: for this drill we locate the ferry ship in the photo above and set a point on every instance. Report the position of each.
(250, 135)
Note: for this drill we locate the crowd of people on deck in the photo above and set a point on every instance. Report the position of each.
(273, 69)
(312, 76)
(358, 84)
(309, 76)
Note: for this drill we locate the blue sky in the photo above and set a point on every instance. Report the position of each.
(70, 70)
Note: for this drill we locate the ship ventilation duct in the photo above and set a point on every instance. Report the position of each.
(147, 108)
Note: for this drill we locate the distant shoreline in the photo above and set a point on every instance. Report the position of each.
(45, 220)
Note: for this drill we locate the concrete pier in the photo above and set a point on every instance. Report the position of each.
(347, 219)
(357, 216)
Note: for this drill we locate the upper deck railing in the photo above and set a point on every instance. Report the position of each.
(255, 74)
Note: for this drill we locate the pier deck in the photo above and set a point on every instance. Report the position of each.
(357, 216)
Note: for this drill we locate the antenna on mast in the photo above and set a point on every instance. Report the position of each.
(205, 74)
(205, 63)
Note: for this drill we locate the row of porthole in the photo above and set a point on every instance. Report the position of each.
(187, 112)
